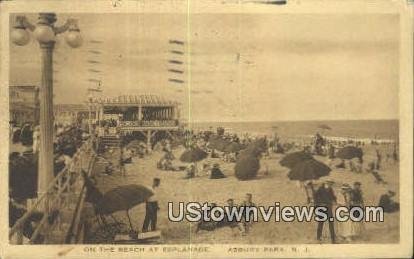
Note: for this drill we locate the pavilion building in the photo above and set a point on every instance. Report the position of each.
(145, 115)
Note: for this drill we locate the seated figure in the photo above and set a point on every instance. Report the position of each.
(216, 173)
(388, 204)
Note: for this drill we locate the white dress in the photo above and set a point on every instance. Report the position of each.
(343, 229)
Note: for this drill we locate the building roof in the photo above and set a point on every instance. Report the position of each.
(143, 99)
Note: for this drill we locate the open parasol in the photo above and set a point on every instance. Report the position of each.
(349, 152)
(246, 167)
(292, 159)
(193, 155)
(310, 169)
(123, 198)
(218, 143)
(259, 144)
(234, 147)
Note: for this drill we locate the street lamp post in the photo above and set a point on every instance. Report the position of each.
(45, 33)
(90, 102)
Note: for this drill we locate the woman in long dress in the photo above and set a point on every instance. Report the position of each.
(344, 229)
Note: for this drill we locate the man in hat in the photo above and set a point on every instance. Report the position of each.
(356, 195)
(325, 197)
(248, 203)
(387, 203)
(216, 173)
(152, 208)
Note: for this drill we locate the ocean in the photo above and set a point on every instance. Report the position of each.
(379, 129)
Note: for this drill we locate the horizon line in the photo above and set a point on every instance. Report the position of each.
(299, 120)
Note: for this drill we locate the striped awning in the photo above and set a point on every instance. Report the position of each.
(147, 99)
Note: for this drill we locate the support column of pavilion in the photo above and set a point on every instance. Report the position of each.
(149, 135)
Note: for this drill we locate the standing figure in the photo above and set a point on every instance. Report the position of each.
(379, 159)
(357, 200)
(122, 163)
(331, 151)
(310, 192)
(152, 208)
(36, 139)
(191, 171)
(395, 154)
(325, 197)
(248, 203)
(344, 228)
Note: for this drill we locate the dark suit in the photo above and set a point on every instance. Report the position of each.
(325, 197)
(151, 210)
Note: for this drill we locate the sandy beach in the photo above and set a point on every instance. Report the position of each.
(266, 189)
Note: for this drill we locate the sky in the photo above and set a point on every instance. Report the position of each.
(237, 67)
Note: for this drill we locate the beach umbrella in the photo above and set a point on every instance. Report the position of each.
(256, 147)
(258, 143)
(310, 169)
(349, 152)
(246, 167)
(123, 198)
(234, 147)
(324, 126)
(193, 155)
(218, 143)
(292, 159)
(208, 134)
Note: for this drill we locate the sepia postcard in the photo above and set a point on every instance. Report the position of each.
(206, 129)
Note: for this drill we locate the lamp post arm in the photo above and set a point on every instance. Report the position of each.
(25, 22)
(61, 29)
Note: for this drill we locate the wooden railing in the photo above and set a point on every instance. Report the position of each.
(75, 233)
(149, 123)
(61, 194)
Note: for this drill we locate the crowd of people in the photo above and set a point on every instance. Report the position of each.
(23, 165)
(350, 197)
(323, 194)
